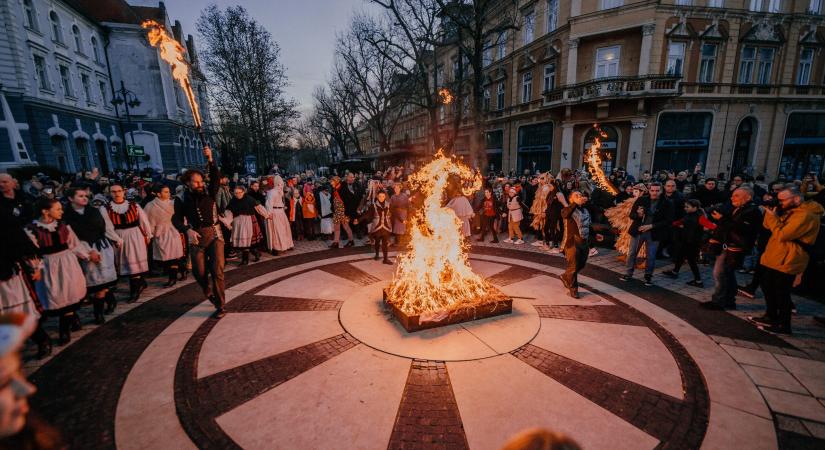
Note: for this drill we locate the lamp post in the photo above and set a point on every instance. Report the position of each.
(128, 99)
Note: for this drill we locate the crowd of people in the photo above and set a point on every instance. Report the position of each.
(71, 242)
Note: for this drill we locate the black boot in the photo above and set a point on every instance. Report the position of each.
(111, 302)
(43, 340)
(97, 305)
(256, 255)
(172, 272)
(75, 321)
(245, 257)
(64, 330)
(133, 295)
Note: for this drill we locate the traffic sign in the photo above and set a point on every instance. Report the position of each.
(135, 150)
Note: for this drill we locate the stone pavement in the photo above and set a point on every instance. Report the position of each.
(623, 367)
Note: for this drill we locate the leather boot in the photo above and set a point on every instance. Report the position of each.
(97, 305)
(111, 302)
(64, 326)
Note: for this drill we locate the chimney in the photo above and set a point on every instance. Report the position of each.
(190, 47)
(177, 31)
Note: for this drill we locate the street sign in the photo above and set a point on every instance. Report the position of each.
(135, 150)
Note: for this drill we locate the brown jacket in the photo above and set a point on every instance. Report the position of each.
(783, 252)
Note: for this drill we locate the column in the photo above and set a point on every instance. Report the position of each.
(566, 161)
(575, 8)
(647, 45)
(635, 147)
(572, 61)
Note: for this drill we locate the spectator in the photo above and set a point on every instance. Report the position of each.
(688, 239)
(652, 216)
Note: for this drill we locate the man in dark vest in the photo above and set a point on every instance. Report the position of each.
(205, 239)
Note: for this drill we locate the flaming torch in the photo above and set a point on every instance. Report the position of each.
(173, 53)
(434, 284)
(445, 96)
(594, 162)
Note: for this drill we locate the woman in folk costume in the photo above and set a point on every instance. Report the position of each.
(167, 242)
(58, 287)
(309, 213)
(400, 206)
(379, 215)
(132, 225)
(325, 209)
(95, 232)
(246, 234)
(278, 234)
(538, 209)
(18, 263)
(619, 217)
(339, 215)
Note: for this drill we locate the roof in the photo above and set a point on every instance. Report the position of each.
(118, 11)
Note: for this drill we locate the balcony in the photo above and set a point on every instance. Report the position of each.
(614, 88)
(759, 90)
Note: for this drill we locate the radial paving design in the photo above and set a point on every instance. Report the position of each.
(286, 367)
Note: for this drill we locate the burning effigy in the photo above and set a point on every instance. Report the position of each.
(433, 283)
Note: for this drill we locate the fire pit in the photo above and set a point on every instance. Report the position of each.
(434, 285)
(494, 304)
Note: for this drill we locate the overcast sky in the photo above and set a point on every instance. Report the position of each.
(304, 29)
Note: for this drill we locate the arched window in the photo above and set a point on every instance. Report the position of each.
(609, 145)
(95, 49)
(78, 40)
(57, 31)
(31, 15)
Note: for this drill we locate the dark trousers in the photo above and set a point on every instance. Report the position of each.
(382, 241)
(576, 259)
(207, 267)
(488, 226)
(309, 229)
(687, 253)
(724, 274)
(777, 288)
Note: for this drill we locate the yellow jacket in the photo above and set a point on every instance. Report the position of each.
(799, 224)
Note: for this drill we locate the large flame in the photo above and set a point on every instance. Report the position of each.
(594, 162)
(445, 95)
(434, 275)
(173, 53)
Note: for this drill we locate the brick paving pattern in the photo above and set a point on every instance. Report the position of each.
(513, 275)
(248, 303)
(350, 272)
(595, 313)
(428, 415)
(676, 423)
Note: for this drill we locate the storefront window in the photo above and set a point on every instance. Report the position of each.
(535, 144)
(682, 140)
(804, 149)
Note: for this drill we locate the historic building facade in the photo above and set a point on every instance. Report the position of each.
(731, 85)
(62, 64)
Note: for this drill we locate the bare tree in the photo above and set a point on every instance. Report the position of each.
(247, 81)
(335, 115)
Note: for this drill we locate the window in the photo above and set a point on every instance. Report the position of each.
(42, 74)
(502, 45)
(456, 69)
(31, 15)
(487, 57)
(552, 14)
(806, 61)
(87, 87)
(95, 50)
(746, 65)
(78, 40)
(439, 76)
(486, 103)
(816, 7)
(526, 87)
(529, 27)
(774, 6)
(755, 5)
(500, 95)
(83, 152)
(716, 3)
(57, 31)
(675, 58)
(684, 2)
(608, 4)
(607, 62)
(66, 80)
(549, 77)
(707, 63)
(764, 65)
(101, 85)
(465, 106)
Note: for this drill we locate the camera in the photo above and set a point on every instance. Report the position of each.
(773, 202)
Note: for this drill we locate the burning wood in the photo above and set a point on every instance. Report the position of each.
(594, 162)
(433, 280)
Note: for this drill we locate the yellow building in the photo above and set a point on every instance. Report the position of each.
(734, 85)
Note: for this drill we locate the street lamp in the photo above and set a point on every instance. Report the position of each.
(128, 99)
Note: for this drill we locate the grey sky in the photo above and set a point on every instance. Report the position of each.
(304, 29)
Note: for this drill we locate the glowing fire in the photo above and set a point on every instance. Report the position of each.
(445, 96)
(173, 53)
(434, 275)
(594, 162)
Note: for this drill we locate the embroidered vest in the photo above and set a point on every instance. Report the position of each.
(129, 219)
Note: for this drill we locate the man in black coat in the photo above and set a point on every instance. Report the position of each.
(652, 217)
(709, 195)
(351, 194)
(737, 231)
(678, 200)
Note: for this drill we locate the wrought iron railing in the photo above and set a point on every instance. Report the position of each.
(614, 87)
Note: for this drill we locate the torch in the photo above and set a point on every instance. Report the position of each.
(594, 162)
(173, 53)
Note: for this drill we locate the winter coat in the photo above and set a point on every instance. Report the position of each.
(514, 209)
(661, 220)
(799, 225)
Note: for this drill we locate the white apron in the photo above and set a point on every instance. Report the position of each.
(278, 233)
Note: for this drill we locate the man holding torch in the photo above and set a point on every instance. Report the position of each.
(204, 233)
